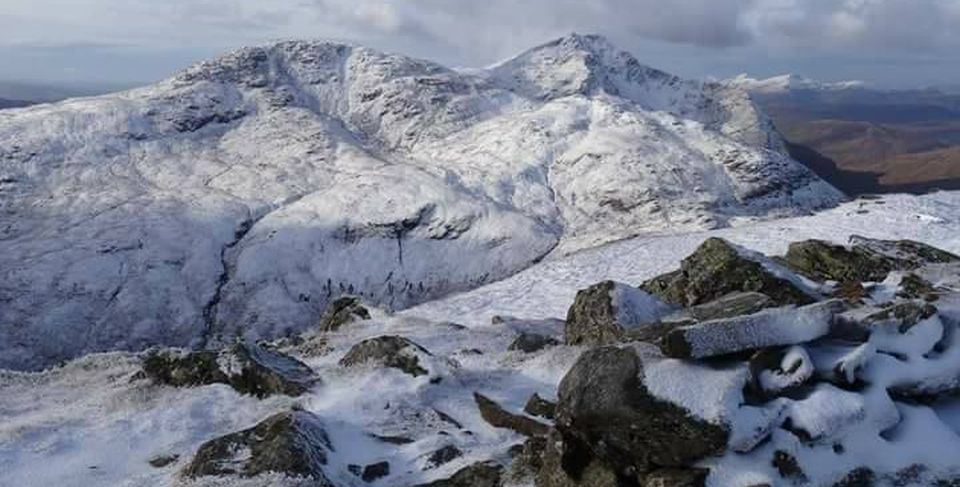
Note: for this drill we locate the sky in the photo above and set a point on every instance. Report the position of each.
(889, 43)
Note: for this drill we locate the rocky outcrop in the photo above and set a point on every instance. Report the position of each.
(532, 342)
(603, 313)
(293, 443)
(865, 259)
(248, 368)
(342, 311)
(538, 406)
(496, 416)
(718, 268)
(605, 407)
(389, 351)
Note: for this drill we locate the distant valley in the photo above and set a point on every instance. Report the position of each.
(870, 141)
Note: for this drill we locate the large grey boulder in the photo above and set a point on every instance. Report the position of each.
(293, 443)
(718, 268)
(603, 313)
(768, 328)
(605, 406)
(248, 368)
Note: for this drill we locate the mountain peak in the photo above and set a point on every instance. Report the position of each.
(790, 82)
(577, 64)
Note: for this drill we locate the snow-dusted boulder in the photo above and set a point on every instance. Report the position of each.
(718, 268)
(294, 443)
(343, 311)
(392, 351)
(603, 313)
(248, 368)
(768, 328)
(605, 404)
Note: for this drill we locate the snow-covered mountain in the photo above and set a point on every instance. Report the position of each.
(790, 82)
(244, 194)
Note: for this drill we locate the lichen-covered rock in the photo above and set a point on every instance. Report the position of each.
(483, 474)
(733, 304)
(864, 260)
(603, 313)
(913, 286)
(248, 368)
(532, 342)
(768, 328)
(825, 261)
(293, 443)
(718, 268)
(604, 405)
(388, 351)
(342, 311)
(496, 416)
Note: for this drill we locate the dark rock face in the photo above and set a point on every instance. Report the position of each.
(716, 269)
(592, 320)
(388, 351)
(565, 462)
(676, 477)
(906, 314)
(493, 413)
(161, 461)
(375, 471)
(248, 368)
(342, 311)
(538, 406)
(485, 474)
(532, 342)
(292, 443)
(443, 455)
(605, 407)
(602, 313)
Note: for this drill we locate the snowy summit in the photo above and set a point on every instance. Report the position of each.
(246, 193)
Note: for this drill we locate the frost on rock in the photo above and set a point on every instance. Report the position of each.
(779, 326)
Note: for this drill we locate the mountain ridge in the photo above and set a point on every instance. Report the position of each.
(242, 195)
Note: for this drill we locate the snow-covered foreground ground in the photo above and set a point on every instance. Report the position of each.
(91, 423)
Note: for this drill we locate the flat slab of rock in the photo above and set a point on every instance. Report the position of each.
(769, 328)
(603, 313)
(718, 268)
(293, 443)
(604, 405)
(248, 368)
(389, 351)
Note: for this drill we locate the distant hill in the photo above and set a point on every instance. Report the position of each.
(4, 103)
(875, 140)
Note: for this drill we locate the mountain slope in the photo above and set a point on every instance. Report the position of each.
(242, 195)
